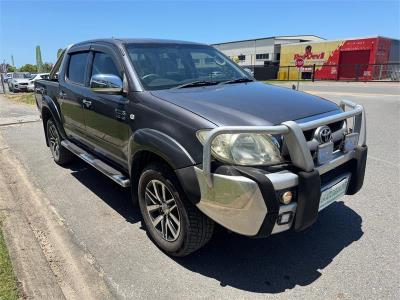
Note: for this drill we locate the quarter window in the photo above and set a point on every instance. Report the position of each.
(77, 66)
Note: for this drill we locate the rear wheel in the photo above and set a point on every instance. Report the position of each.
(60, 155)
(173, 223)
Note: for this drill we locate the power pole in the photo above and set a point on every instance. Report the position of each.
(39, 62)
(3, 72)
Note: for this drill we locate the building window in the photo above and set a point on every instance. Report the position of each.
(242, 57)
(262, 56)
(278, 56)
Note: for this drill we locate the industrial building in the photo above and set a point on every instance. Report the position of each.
(260, 51)
(372, 58)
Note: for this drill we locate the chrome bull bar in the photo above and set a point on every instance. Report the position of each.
(294, 137)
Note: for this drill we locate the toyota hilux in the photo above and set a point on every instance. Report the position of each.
(198, 140)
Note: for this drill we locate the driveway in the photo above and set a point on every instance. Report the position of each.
(351, 252)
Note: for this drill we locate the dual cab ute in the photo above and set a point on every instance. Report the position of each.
(198, 140)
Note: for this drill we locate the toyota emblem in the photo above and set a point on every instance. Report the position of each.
(323, 134)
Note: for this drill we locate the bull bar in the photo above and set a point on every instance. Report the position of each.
(297, 145)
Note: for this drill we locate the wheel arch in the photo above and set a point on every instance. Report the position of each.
(149, 145)
(50, 110)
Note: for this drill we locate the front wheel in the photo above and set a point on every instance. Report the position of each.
(173, 223)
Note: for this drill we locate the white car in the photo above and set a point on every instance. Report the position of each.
(7, 76)
(19, 82)
(34, 77)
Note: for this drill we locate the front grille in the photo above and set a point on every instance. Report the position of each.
(309, 134)
(23, 84)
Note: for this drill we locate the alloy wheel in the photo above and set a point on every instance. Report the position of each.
(162, 210)
(54, 141)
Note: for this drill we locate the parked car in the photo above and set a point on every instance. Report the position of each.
(195, 150)
(35, 77)
(19, 82)
(7, 76)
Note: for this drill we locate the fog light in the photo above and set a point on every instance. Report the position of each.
(286, 197)
(285, 218)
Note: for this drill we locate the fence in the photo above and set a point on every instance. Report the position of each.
(345, 72)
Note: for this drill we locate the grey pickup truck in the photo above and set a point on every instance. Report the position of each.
(198, 140)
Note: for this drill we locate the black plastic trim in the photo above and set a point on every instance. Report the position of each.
(308, 196)
(268, 192)
(358, 170)
(189, 183)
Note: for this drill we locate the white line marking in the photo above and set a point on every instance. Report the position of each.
(349, 94)
(383, 160)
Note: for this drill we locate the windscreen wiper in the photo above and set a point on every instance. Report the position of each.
(237, 80)
(196, 83)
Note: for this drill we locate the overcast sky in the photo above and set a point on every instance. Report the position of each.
(56, 24)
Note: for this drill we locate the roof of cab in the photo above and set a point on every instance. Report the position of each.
(118, 41)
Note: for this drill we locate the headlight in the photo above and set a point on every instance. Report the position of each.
(244, 148)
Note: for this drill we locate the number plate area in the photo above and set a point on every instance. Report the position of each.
(333, 193)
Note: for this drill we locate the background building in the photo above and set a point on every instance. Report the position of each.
(261, 51)
(374, 58)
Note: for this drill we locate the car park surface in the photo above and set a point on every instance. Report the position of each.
(351, 251)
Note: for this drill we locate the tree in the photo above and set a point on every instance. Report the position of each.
(28, 68)
(47, 67)
(39, 62)
(10, 68)
(59, 51)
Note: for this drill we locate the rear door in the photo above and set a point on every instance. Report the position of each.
(106, 116)
(73, 87)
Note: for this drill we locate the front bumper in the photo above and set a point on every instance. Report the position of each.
(246, 199)
(19, 87)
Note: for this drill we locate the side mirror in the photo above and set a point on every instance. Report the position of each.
(106, 84)
(249, 71)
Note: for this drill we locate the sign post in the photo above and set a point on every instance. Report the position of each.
(299, 64)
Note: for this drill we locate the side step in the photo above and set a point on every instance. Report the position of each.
(98, 164)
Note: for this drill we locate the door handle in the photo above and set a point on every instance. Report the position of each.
(86, 103)
(62, 94)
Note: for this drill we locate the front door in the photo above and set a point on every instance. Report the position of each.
(105, 115)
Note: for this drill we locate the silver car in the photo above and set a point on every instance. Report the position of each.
(19, 82)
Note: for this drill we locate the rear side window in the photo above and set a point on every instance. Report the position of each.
(104, 64)
(77, 66)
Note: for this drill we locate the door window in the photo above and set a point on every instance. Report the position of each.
(104, 64)
(77, 66)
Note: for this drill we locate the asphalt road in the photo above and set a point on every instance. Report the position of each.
(351, 252)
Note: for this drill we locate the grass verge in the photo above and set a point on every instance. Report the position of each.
(28, 98)
(8, 281)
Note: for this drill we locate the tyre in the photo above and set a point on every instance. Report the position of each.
(173, 223)
(60, 154)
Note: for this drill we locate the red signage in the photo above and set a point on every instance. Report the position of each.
(299, 62)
